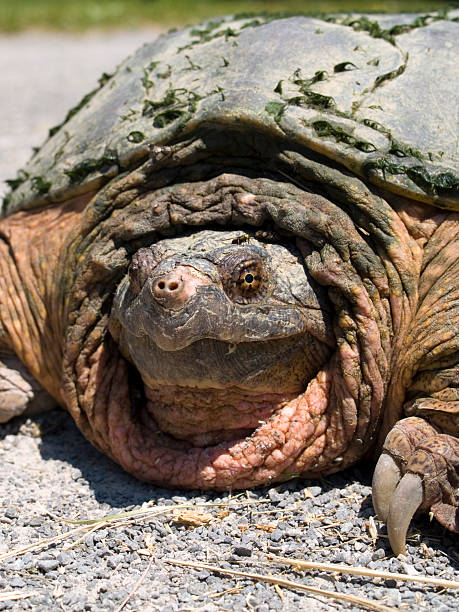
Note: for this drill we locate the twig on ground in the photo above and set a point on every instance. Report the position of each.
(136, 586)
(155, 510)
(359, 601)
(42, 543)
(117, 520)
(363, 571)
(13, 595)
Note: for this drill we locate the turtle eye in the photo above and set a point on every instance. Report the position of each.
(245, 278)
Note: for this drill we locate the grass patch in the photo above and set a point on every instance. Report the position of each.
(69, 15)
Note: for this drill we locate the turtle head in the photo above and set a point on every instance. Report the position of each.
(221, 316)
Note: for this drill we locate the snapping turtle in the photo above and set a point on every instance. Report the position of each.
(236, 262)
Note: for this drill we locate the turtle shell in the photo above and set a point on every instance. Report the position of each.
(376, 95)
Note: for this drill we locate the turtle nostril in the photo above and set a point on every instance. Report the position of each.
(173, 289)
(172, 285)
(167, 286)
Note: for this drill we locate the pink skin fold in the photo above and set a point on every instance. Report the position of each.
(295, 434)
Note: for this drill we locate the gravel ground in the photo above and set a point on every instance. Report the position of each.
(49, 472)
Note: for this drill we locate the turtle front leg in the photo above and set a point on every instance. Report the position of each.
(20, 393)
(418, 471)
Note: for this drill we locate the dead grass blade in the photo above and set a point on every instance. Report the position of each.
(135, 587)
(43, 543)
(118, 520)
(14, 595)
(146, 513)
(363, 571)
(358, 601)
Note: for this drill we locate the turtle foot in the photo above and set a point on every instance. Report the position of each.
(417, 471)
(20, 394)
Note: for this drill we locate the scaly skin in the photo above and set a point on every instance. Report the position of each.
(31, 308)
(390, 274)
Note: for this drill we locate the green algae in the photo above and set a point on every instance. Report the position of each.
(14, 183)
(276, 108)
(174, 104)
(191, 64)
(135, 136)
(166, 117)
(344, 67)
(401, 150)
(388, 76)
(166, 73)
(432, 183)
(373, 28)
(305, 83)
(324, 129)
(103, 79)
(170, 97)
(208, 33)
(40, 185)
(146, 82)
(79, 172)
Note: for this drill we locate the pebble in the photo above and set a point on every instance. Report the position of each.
(242, 551)
(47, 565)
(379, 553)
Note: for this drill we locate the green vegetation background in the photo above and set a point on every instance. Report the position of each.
(77, 15)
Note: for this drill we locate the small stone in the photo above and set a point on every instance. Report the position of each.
(100, 535)
(89, 540)
(11, 513)
(274, 495)
(47, 565)
(17, 565)
(64, 557)
(379, 553)
(276, 535)
(203, 575)
(243, 551)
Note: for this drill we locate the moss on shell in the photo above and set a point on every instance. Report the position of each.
(103, 79)
(79, 172)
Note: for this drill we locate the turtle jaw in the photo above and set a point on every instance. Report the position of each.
(220, 434)
(289, 442)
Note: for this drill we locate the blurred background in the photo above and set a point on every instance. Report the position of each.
(53, 51)
(83, 14)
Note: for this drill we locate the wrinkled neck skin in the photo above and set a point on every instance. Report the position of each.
(230, 423)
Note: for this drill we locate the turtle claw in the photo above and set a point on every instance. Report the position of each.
(406, 500)
(395, 500)
(418, 470)
(385, 480)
